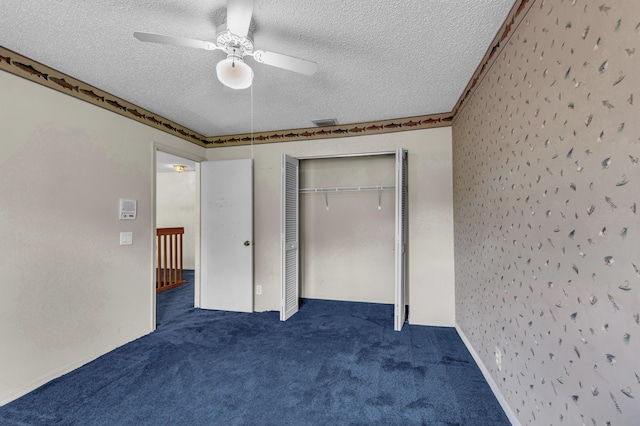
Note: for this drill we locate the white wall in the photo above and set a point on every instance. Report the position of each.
(347, 249)
(68, 291)
(176, 207)
(431, 272)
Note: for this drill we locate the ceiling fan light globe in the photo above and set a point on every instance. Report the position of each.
(234, 73)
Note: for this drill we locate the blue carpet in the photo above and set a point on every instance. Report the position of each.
(333, 363)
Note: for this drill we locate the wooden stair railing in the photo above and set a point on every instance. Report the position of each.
(169, 258)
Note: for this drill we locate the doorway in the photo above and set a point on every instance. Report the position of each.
(290, 227)
(176, 206)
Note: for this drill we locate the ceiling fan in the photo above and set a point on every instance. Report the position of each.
(236, 41)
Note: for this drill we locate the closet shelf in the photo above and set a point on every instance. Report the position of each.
(349, 188)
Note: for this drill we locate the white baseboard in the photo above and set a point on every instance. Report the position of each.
(45, 378)
(494, 387)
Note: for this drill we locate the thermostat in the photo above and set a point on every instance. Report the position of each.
(127, 209)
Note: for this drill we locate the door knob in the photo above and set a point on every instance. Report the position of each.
(247, 243)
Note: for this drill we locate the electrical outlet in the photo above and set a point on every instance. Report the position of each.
(498, 358)
(258, 289)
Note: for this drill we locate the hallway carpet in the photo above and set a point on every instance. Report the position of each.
(333, 363)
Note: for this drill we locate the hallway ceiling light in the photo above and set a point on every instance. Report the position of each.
(179, 168)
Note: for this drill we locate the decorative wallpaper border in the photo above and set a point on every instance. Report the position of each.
(22, 66)
(511, 23)
(340, 131)
(38, 73)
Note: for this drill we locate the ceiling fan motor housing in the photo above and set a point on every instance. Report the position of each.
(228, 41)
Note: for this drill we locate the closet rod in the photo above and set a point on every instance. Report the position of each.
(358, 154)
(348, 188)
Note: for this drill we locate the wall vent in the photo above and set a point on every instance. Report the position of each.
(326, 122)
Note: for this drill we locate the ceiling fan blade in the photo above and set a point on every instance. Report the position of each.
(286, 62)
(175, 41)
(239, 16)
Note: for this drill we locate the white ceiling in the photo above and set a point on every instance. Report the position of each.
(377, 59)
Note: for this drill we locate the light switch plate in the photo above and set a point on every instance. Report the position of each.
(126, 238)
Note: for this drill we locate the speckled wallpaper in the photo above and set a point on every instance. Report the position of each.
(547, 228)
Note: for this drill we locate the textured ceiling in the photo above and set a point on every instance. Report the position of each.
(377, 59)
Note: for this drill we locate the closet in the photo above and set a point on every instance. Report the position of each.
(344, 229)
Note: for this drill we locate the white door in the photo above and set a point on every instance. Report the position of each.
(401, 236)
(226, 229)
(289, 238)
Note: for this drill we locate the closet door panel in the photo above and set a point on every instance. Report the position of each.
(401, 236)
(289, 238)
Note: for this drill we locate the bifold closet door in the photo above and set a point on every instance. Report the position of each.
(226, 230)
(289, 238)
(401, 236)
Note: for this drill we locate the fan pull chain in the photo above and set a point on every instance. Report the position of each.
(252, 122)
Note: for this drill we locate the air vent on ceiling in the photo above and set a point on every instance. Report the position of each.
(326, 122)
